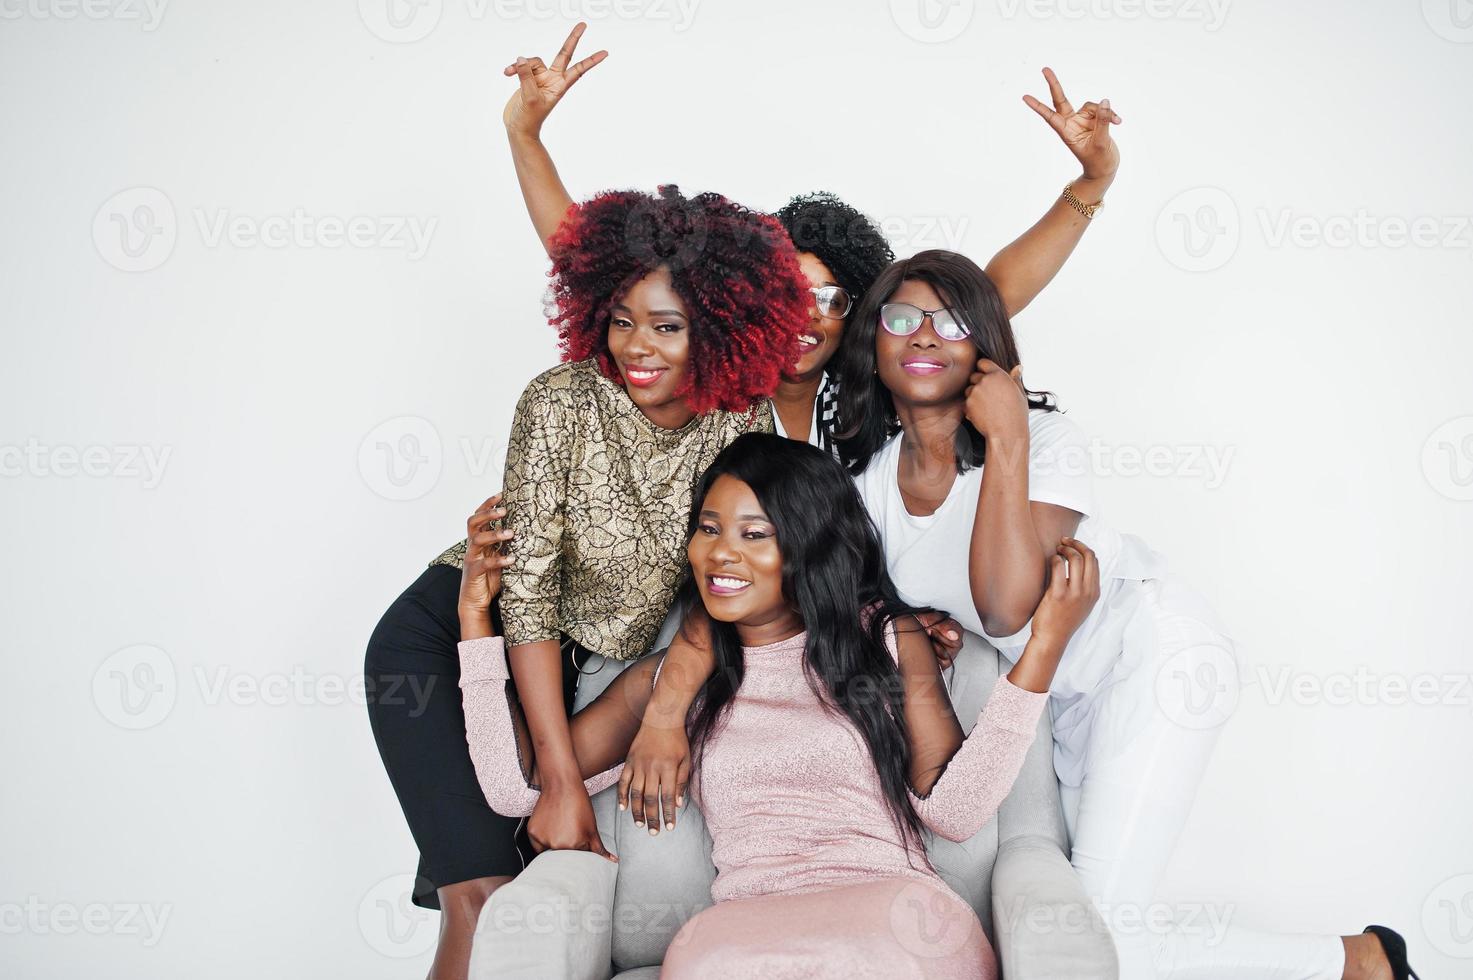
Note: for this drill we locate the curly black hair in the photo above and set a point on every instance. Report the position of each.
(733, 267)
(842, 237)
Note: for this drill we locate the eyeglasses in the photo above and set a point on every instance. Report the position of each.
(832, 301)
(904, 319)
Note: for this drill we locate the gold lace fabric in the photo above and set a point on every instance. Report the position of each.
(599, 497)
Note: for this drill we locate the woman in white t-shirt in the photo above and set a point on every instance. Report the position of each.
(973, 480)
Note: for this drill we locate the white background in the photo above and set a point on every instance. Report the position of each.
(1252, 289)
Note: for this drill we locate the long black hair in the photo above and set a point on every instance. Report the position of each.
(834, 574)
(867, 417)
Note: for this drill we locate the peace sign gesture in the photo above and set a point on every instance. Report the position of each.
(1085, 131)
(544, 85)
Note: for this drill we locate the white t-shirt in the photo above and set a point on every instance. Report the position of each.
(929, 559)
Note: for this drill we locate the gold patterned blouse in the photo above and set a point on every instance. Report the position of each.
(599, 497)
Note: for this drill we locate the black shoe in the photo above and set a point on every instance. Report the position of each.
(1396, 951)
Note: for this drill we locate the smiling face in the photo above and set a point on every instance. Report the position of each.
(923, 369)
(820, 339)
(649, 340)
(735, 560)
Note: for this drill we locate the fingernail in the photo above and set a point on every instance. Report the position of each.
(639, 823)
(654, 832)
(1105, 103)
(669, 826)
(623, 807)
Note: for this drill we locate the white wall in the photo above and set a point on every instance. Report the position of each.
(254, 823)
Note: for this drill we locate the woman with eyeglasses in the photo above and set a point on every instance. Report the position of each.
(840, 252)
(972, 480)
(839, 249)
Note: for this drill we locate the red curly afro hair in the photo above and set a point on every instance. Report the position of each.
(735, 269)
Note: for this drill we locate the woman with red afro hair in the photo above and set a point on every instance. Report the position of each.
(735, 271)
(676, 316)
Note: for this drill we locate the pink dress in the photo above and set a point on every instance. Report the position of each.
(813, 879)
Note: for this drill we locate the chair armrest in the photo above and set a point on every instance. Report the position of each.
(1046, 927)
(555, 919)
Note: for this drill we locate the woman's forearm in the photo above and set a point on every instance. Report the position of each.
(537, 671)
(1008, 567)
(1028, 264)
(543, 192)
(688, 664)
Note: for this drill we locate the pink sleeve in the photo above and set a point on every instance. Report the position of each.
(492, 737)
(981, 774)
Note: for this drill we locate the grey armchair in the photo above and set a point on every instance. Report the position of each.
(576, 915)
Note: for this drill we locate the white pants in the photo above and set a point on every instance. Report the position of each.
(1125, 817)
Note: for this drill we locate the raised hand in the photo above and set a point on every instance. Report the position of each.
(1085, 131)
(543, 86)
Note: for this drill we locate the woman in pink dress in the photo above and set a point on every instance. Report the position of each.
(824, 743)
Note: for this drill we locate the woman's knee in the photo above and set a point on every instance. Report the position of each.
(464, 900)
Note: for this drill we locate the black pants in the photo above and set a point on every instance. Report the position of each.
(412, 670)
